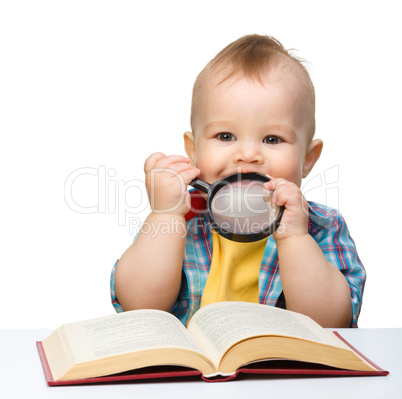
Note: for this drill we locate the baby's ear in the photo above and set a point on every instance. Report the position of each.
(312, 154)
(189, 146)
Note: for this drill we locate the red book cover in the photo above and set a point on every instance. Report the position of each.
(270, 367)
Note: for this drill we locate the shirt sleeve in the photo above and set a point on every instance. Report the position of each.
(116, 304)
(330, 231)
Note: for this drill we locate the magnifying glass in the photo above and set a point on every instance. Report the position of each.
(240, 208)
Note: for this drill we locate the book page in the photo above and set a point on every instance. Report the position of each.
(126, 332)
(220, 325)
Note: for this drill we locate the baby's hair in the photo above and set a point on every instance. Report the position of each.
(250, 57)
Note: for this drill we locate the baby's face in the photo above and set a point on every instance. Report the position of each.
(243, 126)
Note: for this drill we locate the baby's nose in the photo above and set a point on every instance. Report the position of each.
(249, 153)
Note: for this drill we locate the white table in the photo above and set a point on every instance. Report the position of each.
(21, 375)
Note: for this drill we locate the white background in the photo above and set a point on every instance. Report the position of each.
(96, 86)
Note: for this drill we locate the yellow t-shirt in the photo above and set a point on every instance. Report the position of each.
(234, 271)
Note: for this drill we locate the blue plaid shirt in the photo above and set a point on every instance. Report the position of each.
(326, 226)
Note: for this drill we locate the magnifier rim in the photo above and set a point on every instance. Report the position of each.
(240, 237)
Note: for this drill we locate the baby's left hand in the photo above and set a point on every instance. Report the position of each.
(294, 220)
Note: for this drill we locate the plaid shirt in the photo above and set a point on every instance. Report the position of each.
(326, 226)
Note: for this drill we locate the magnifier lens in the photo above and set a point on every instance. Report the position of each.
(244, 207)
(240, 208)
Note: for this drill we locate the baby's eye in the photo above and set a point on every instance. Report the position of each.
(225, 137)
(271, 140)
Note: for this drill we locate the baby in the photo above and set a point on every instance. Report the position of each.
(253, 110)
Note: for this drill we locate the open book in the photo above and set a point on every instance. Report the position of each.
(220, 340)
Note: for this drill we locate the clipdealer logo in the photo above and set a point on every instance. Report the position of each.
(111, 195)
(129, 198)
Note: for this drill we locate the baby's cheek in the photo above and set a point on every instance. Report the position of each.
(293, 171)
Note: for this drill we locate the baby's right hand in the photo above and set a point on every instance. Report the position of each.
(166, 179)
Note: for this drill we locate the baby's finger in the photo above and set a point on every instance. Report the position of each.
(273, 185)
(179, 167)
(288, 194)
(269, 185)
(152, 160)
(190, 174)
(170, 160)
